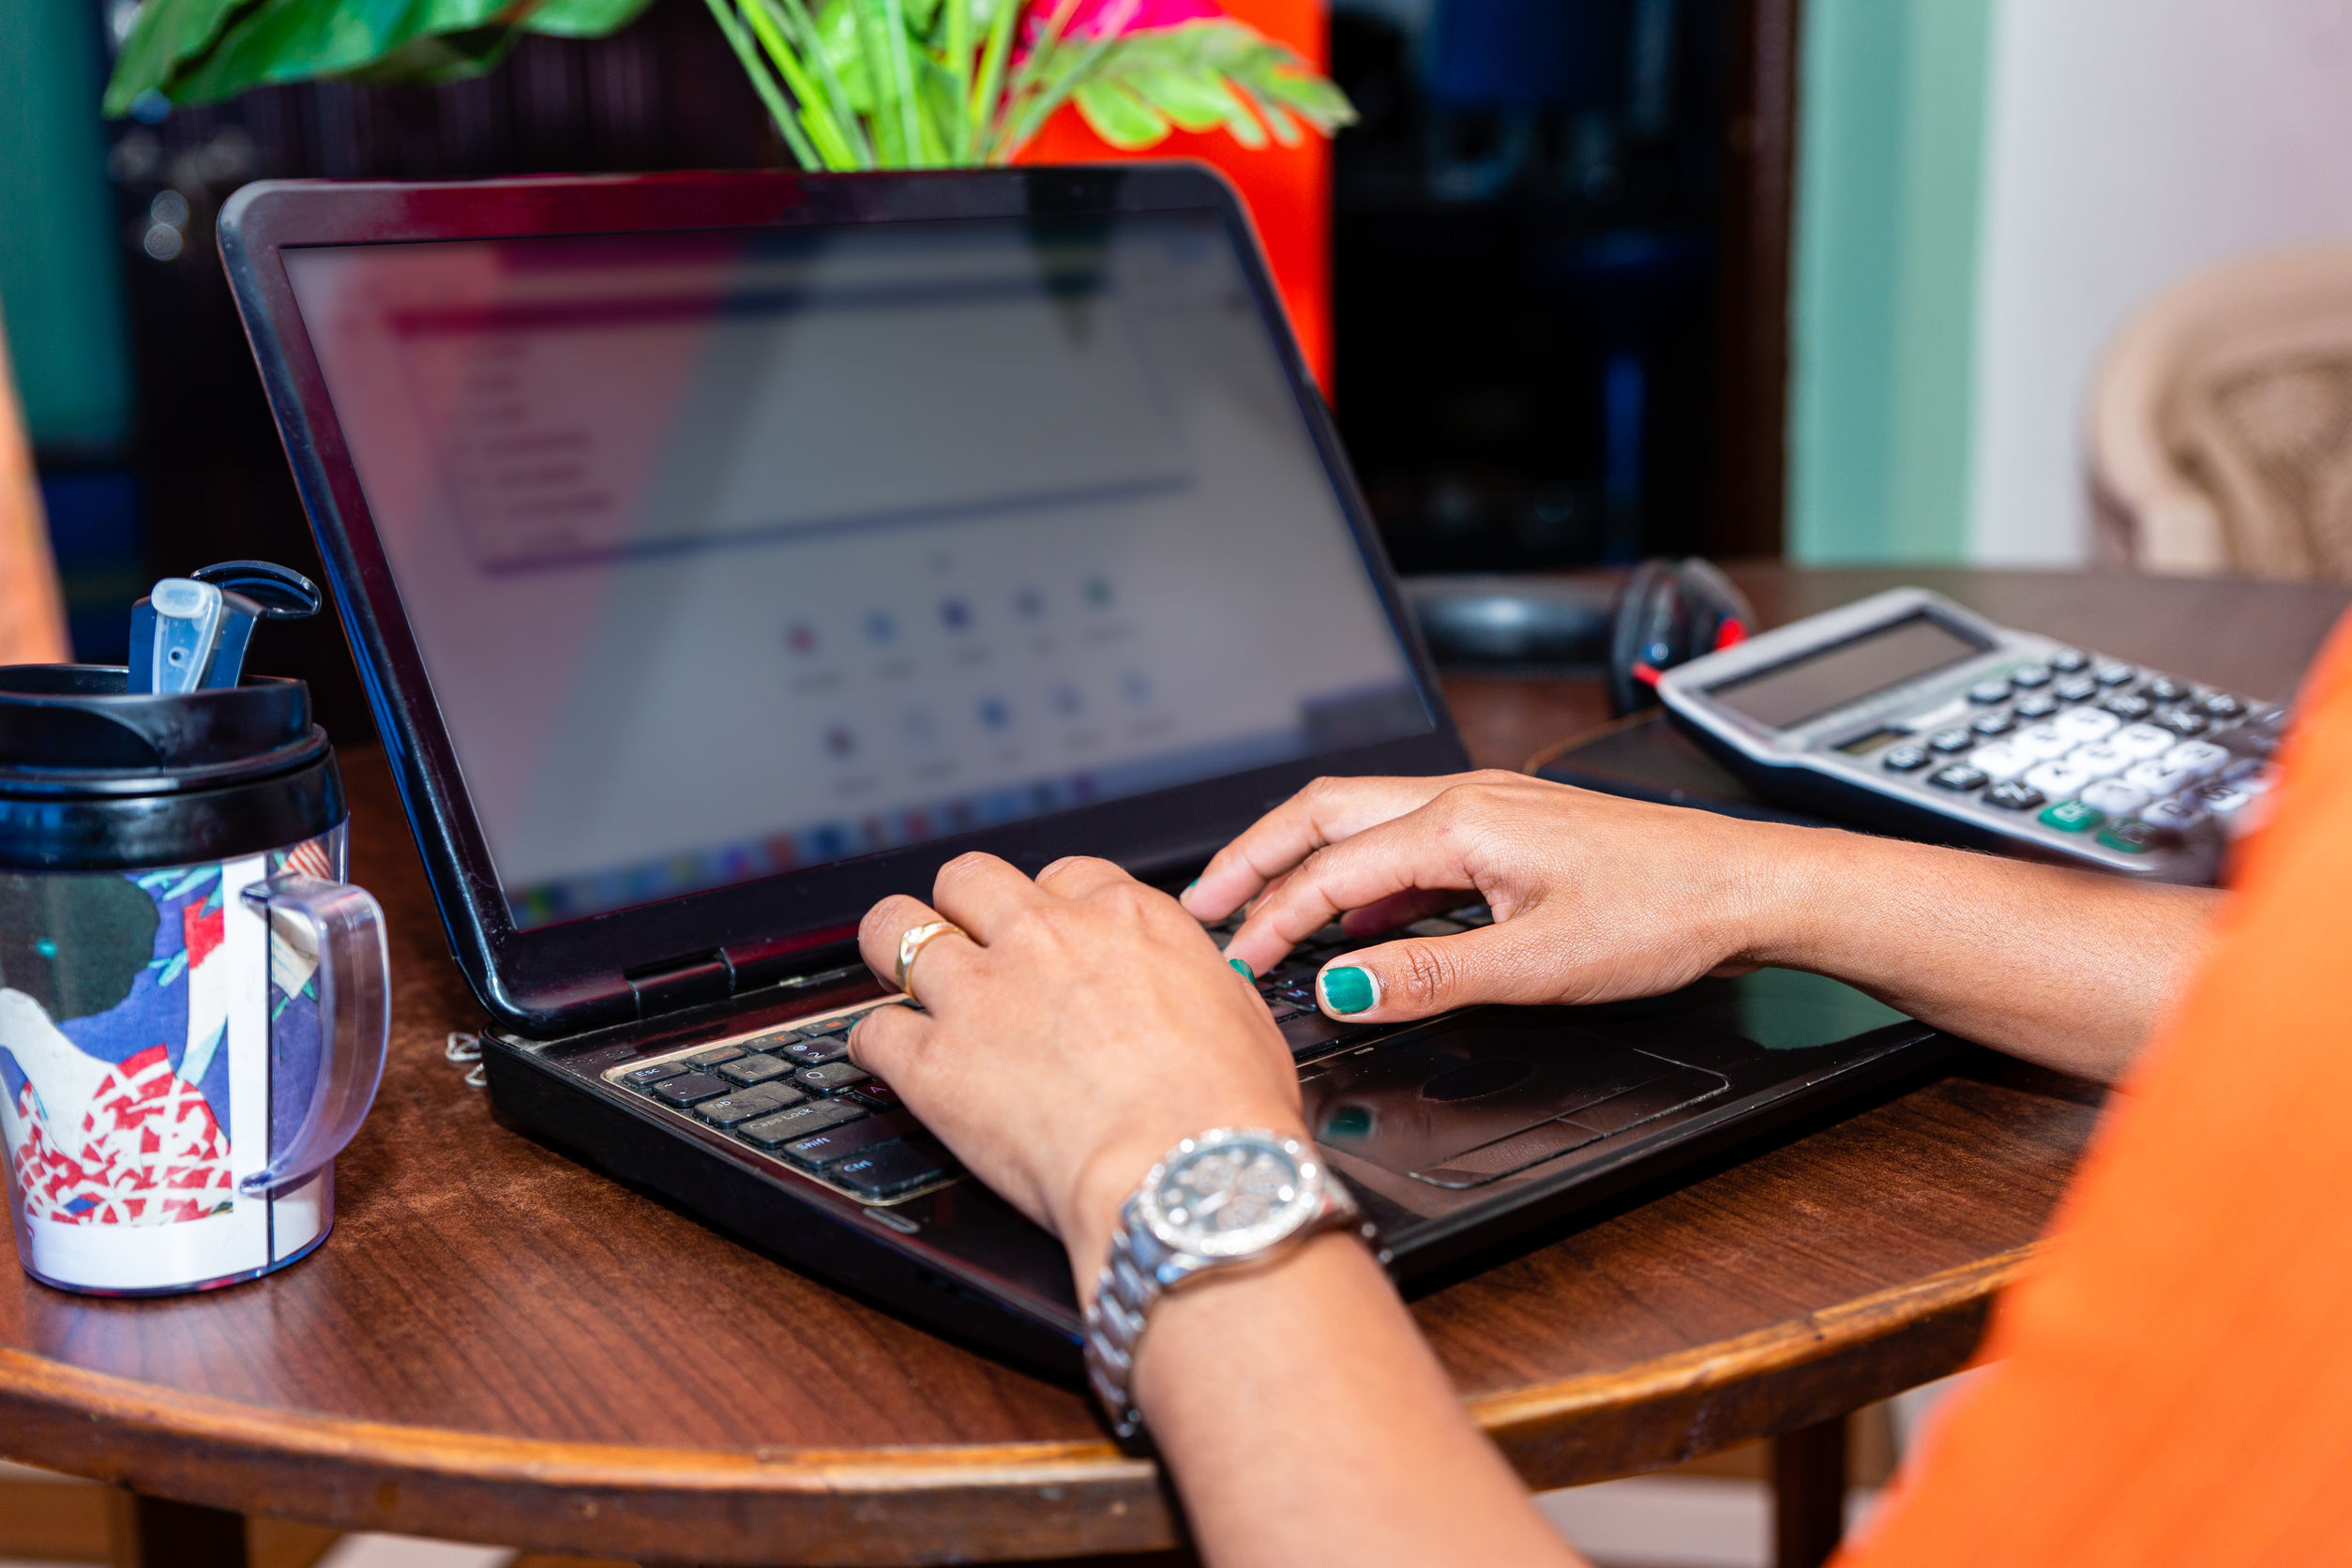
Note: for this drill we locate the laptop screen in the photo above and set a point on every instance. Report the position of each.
(733, 553)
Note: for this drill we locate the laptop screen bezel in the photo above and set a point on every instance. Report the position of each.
(607, 968)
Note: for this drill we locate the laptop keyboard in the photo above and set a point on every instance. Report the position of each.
(793, 1095)
(1288, 987)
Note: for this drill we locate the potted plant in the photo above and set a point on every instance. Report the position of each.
(851, 84)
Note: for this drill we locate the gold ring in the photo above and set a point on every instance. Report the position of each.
(913, 942)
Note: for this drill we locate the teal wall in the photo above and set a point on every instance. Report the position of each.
(60, 291)
(1890, 157)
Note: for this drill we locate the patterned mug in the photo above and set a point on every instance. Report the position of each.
(193, 1003)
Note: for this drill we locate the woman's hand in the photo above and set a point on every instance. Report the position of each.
(1596, 897)
(1593, 898)
(1081, 1027)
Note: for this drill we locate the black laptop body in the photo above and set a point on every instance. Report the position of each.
(723, 551)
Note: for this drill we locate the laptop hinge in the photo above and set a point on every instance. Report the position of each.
(686, 982)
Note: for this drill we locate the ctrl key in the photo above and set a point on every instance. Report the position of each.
(894, 1168)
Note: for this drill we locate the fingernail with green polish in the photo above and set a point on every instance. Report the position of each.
(1348, 989)
(1241, 967)
(1189, 887)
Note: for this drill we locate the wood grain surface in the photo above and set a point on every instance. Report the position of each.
(498, 1344)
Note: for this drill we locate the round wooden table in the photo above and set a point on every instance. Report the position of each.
(499, 1346)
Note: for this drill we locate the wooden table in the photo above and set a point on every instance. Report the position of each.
(499, 1346)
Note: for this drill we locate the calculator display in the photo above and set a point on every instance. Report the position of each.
(1804, 688)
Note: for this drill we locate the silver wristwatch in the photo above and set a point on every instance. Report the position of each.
(1222, 1200)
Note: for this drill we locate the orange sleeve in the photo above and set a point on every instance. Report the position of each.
(2175, 1384)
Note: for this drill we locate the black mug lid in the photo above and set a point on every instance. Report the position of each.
(72, 729)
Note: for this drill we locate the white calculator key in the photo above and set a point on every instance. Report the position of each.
(2100, 758)
(2059, 780)
(2002, 761)
(2226, 800)
(2114, 798)
(2142, 740)
(2085, 724)
(2155, 776)
(2043, 742)
(2196, 758)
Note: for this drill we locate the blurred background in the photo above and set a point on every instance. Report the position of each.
(1590, 279)
(1996, 282)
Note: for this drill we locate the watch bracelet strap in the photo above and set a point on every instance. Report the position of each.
(1136, 1276)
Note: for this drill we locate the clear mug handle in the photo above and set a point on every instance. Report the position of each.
(342, 927)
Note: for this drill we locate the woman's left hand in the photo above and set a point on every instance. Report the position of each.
(1080, 1026)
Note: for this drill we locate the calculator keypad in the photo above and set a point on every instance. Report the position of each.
(2080, 747)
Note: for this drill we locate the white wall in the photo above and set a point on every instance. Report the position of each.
(2129, 141)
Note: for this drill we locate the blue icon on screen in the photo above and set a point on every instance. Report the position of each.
(994, 714)
(881, 625)
(954, 614)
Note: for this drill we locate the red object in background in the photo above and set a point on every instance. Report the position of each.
(1288, 189)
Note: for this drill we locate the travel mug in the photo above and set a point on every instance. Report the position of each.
(193, 1003)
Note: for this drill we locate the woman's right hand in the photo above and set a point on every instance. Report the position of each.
(1594, 898)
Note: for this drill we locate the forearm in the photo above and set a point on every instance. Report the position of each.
(2064, 967)
(1307, 1423)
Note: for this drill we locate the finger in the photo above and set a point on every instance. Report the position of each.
(886, 925)
(1411, 852)
(1076, 876)
(1425, 975)
(1400, 910)
(979, 892)
(1325, 812)
(890, 1043)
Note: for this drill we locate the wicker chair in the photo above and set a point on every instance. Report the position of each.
(32, 613)
(2220, 424)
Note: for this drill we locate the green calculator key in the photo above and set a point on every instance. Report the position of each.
(2073, 816)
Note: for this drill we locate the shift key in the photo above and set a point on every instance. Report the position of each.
(820, 1150)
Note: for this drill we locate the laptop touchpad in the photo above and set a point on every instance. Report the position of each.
(1462, 1107)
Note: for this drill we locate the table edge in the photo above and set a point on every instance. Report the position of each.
(925, 1502)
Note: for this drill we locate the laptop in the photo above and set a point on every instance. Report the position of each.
(724, 551)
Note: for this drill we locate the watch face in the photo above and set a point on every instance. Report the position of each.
(1231, 1195)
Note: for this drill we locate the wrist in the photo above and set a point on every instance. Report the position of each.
(1801, 888)
(1088, 1215)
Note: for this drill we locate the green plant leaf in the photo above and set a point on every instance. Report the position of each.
(583, 19)
(439, 57)
(1196, 99)
(1118, 116)
(290, 40)
(779, 109)
(769, 26)
(1268, 117)
(982, 109)
(167, 34)
(838, 102)
(837, 29)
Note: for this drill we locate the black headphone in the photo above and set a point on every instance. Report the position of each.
(1667, 613)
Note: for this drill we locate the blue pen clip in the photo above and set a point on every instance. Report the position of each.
(190, 633)
(173, 633)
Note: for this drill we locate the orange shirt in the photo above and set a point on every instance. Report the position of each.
(2175, 1384)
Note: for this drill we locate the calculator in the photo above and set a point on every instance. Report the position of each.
(1907, 714)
